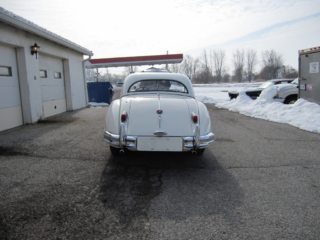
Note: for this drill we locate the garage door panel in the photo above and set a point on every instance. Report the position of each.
(52, 93)
(10, 118)
(9, 82)
(10, 101)
(55, 82)
(50, 63)
(10, 52)
(52, 86)
(9, 97)
(54, 107)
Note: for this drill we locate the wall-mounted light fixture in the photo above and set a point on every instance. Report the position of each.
(34, 50)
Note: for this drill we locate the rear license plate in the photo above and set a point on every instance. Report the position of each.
(161, 144)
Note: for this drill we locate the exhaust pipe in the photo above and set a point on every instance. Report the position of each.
(194, 152)
(121, 151)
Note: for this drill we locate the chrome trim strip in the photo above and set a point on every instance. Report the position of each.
(196, 136)
(160, 133)
(122, 136)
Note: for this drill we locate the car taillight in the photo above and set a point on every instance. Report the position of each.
(124, 116)
(194, 117)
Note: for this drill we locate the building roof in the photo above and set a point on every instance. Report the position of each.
(24, 24)
(134, 61)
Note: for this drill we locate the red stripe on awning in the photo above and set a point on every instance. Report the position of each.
(136, 59)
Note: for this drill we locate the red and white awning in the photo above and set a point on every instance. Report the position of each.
(134, 61)
(309, 49)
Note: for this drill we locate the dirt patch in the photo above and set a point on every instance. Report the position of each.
(12, 151)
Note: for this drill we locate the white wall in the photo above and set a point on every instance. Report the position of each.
(28, 68)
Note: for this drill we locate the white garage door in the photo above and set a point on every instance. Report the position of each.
(10, 103)
(52, 85)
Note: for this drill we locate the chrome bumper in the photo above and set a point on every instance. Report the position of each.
(120, 142)
(130, 142)
(192, 143)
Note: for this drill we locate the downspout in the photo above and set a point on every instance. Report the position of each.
(84, 77)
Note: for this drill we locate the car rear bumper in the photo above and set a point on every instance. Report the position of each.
(130, 142)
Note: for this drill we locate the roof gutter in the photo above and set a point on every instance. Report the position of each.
(84, 78)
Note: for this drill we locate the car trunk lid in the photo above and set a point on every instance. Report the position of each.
(160, 115)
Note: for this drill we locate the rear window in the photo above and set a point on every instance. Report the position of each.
(158, 85)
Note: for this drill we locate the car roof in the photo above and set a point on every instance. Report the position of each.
(135, 77)
(281, 79)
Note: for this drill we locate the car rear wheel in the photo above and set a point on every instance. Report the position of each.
(290, 100)
(200, 151)
(114, 150)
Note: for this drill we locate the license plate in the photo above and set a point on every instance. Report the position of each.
(161, 144)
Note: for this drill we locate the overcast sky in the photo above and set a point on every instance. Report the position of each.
(145, 27)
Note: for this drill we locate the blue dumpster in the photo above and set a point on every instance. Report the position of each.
(100, 92)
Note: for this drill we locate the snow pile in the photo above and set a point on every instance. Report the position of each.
(303, 114)
(97, 105)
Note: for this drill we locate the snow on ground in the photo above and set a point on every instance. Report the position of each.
(95, 104)
(303, 114)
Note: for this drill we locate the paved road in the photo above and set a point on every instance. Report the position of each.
(58, 180)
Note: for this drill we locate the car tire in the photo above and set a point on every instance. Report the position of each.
(114, 150)
(200, 151)
(290, 100)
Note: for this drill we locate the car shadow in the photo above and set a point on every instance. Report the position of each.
(138, 186)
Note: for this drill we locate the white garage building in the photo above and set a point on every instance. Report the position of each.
(34, 87)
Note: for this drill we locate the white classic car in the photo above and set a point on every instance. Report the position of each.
(157, 111)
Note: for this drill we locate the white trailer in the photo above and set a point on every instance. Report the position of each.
(309, 74)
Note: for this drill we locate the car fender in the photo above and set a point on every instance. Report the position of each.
(205, 122)
(112, 117)
(287, 90)
(290, 95)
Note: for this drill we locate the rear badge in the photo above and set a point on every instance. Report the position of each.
(159, 111)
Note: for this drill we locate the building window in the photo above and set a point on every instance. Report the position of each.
(57, 74)
(43, 73)
(5, 71)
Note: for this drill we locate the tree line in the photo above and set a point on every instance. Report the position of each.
(211, 67)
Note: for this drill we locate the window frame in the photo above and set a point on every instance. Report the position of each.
(45, 73)
(9, 71)
(59, 75)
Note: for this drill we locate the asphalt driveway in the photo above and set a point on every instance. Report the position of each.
(58, 180)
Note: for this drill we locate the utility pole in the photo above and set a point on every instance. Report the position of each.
(97, 75)
(167, 63)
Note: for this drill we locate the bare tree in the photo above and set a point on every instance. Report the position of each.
(226, 77)
(195, 67)
(251, 61)
(90, 75)
(189, 66)
(238, 61)
(218, 58)
(174, 67)
(272, 63)
(206, 67)
(107, 76)
(288, 72)
(130, 69)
